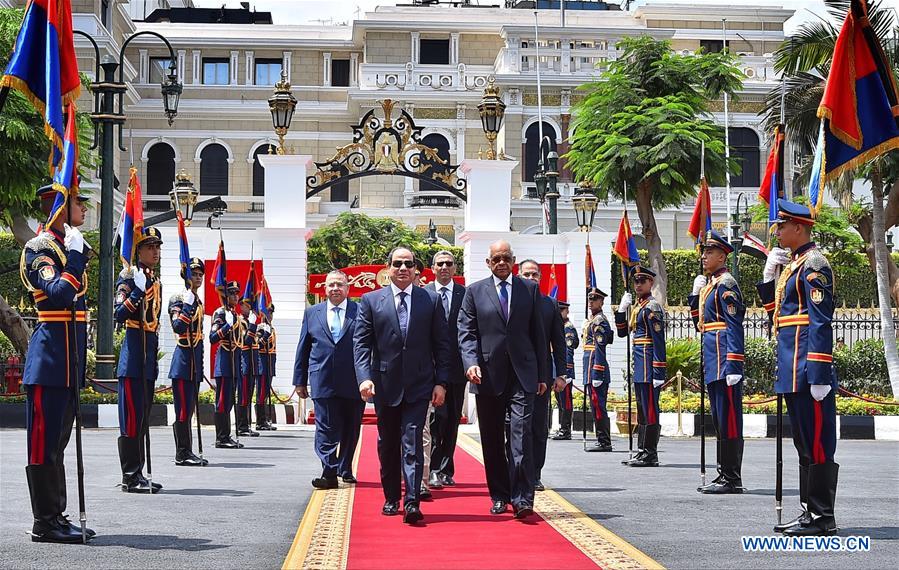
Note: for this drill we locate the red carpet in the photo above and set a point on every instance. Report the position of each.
(458, 531)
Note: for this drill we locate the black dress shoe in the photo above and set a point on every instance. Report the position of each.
(52, 531)
(434, 481)
(447, 480)
(803, 519)
(65, 523)
(819, 527)
(538, 486)
(424, 493)
(228, 444)
(349, 479)
(190, 460)
(561, 436)
(599, 447)
(412, 514)
(156, 487)
(325, 482)
(141, 486)
(523, 510)
(390, 508)
(498, 508)
(722, 488)
(247, 432)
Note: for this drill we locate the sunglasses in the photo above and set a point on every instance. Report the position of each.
(408, 263)
(444, 264)
(501, 258)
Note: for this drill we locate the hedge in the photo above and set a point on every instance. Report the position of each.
(855, 281)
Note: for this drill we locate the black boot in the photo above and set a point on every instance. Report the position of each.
(650, 447)
(43, 488)
(564, 425)
(61, 518)
(184, 454)
(822, 493)
(223, 432)
(133, 480)
(604, 433)
(243, 422)
(269, 416)
(730, 481)
(262, 423)
(804, 517)
(641, 444)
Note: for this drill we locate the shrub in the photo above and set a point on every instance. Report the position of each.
(863, 368)
(683, 355)
(758, 367)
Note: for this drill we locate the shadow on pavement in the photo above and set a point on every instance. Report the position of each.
(208, 492)
(770, 492)
(251, 447)
(156, 542)
(586, 489)
(240, 465)
(878, 532)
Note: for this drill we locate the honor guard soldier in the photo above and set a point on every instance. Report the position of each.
(716, 305)
(267, 357)
(52, 268)
(800, 304)
(249, 357)
(138, 304)
(186, 370)
(598, 335)
(647, 322)
(227, 365)
(564, 397)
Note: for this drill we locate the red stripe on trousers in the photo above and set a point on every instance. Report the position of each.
(651, 411)
(594, 399)
(731, 413)
(220, 402)
(568, 402)
(243, 398)
(182, 416)
(38, 428)
(130, 420)
(817, 446)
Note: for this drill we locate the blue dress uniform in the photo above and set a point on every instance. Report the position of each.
(597, 376)
(647, 322)
(138, 368)
(54, 367)
(226, 369)
(246, 381)
(186, 369)
(564, 398)
(718, 311)
(267, 360)
(800, 304)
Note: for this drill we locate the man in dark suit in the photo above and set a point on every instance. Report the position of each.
(503, 343)
(402, 359)
(325, 361)
(555, 364)
(445, 422)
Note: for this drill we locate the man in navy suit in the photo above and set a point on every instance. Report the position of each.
(325, 360)
(402, 358)
(503, 344)
(445, 422)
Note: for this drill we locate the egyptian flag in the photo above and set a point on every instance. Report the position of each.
(132, 224)
(43, 66)
(860, 108)
(701, 222)
(754, 247)
(625, 248)
(183, 250)
(773, 183)
(220, 274)
(65, 179)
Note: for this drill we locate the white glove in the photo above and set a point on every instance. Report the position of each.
(626, 302)
(263, 327)
(189, 297)
(820, 391)
(777, 256)
(252, 318)
(657, 383)
(140, 278)
(73, 241)
(699, 283)
(596, 383)
(733, 379)
(229, 318)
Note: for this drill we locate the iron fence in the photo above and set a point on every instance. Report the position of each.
(849, 325)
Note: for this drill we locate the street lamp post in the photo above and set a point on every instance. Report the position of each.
(108, 112)
(546, 178)
(735, 225)
(282, 104)
(492, 110)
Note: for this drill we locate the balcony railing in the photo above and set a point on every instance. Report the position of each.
(418, 77)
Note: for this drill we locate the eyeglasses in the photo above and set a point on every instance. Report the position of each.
(444, 264)
(501, 258)
(408, 263)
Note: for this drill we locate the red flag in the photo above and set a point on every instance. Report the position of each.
(701, 222)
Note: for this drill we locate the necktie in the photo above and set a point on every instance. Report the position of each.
(444, 295)
(504, 299)
(402, 311)
(335, 324)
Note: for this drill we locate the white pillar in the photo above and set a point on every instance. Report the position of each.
(326, 69)
(234, 59)
(197, 76)
(354, 70)
(414, 37)
(489, 194)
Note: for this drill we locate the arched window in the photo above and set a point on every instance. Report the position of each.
(160, 169)
(438, 142)
(214, 170)
(744, 147)
(259, 171)
(532, 148)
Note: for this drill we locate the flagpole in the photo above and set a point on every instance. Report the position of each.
(629, 376)
(539, 116)
(701, 352)
(726, 130)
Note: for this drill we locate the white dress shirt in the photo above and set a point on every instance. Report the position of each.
(396, 298)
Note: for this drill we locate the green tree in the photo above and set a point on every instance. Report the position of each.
(640, 130)
(805, 60)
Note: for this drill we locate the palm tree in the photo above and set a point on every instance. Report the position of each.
(805, 61)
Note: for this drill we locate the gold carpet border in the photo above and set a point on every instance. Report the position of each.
(602, 546)
(322, 541)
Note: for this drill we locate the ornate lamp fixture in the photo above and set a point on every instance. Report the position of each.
(282, 104)
(492, 109)
(184, 196)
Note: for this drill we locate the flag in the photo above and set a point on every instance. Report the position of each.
(553, 285)
(754, 247)
(132, 224)
(263, 305)
(860, 106)
(625, 248)
(43, 66)
(773, 183)
(220, 274)
(183, 250)
(701, 222)
(65, 179)
(250, 291)
(588, 269)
